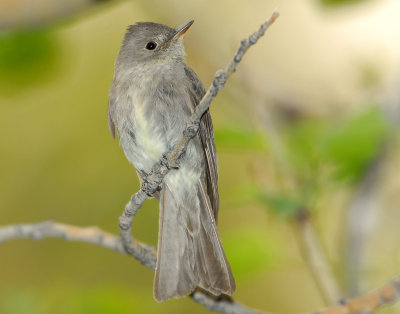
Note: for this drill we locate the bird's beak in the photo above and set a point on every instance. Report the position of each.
(180, 31)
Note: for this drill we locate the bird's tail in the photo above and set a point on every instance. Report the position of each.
(190, 253)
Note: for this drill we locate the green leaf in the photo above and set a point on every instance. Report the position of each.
(282, 205)
(302, 143)
(345, 148)
(353, 145)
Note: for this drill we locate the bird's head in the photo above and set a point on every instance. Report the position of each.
(153, 43)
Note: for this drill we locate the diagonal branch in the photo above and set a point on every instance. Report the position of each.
(315, 258)
(153, 180)
(309, 243)
(370, 302)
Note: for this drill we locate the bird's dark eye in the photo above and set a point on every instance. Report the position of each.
(151, 45)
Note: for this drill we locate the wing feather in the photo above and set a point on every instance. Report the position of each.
(197, 91)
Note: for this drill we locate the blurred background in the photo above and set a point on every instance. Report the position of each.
(306, 133)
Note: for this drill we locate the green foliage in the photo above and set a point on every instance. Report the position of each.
(240, 138)
(302, 143)
(283, 205)
(347, 147)
(321, 153)
(352, 146)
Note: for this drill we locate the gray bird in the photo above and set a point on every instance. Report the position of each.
(152, 97)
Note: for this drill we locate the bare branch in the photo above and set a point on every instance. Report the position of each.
(96, 236)
(153, 180)
(310, 246)
(371, 302)
(368, 303)
(92, 235)
(316, 259)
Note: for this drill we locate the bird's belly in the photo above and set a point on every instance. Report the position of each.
(145, 142)
(152, 125)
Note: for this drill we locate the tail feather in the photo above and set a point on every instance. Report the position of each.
(190, 253)
(218, 274)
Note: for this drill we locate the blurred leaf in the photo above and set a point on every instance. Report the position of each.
(25, 56)
(240, 138)
(281, 205)
(346, 147)
(321, 153)
(302, 143)
(354, 144)
(250, 251)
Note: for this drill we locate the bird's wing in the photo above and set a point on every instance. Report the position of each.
(197, 91)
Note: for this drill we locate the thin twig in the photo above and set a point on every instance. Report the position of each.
(371, 302)
(313, 254)
(315, 258)
(389, 293)
(364, 210)
(93, 235)
(153, 180)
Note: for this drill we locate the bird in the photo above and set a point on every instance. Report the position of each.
(151, 99)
